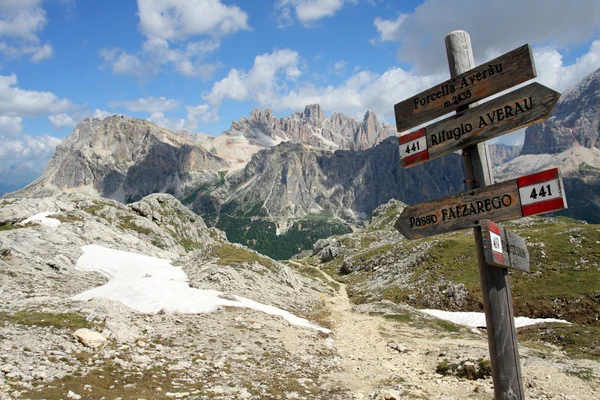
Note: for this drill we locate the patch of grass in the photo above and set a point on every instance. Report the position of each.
(576, 340)
(66, 218)
(96, 206)
(9, 227)
(401, 318)
(111, 381)
(129, 223)
(70, 321)
(229, 254)
(321, 316)
(585, 374)
(4, 203)
(379, 251)
(447, 326)
(189, 245)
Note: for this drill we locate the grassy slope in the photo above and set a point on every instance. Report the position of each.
(563, 281)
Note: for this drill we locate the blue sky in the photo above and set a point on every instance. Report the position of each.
(200, 64)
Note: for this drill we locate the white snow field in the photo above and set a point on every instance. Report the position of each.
(43, 219)
(149, 284)
(475, 319)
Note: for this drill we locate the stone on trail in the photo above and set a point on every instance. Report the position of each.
(90, 338)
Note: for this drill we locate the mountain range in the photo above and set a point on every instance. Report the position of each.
(279, 184)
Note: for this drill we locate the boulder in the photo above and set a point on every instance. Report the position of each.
(90, 338)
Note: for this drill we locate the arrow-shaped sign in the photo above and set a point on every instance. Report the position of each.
(483, 81)
(517, 109)
(529, 195)
(503, 248)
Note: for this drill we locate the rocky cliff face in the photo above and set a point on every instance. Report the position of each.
(308, 126)
(502, 153)
(575, 119)
(284, 189)
(125, 159)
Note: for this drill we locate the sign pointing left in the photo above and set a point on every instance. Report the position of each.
(514, 110)
(529, 195)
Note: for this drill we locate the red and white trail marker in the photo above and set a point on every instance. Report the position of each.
(541, 193)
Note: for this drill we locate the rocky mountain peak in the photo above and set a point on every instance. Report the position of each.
(261, 117)
(125, 159)
(313, 113)
(574, 119)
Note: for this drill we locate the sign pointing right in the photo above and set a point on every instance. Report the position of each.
(514, 110)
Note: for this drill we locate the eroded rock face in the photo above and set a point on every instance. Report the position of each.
(574, 119)
(502, 153)
(125, 159)
(311, 126)
(292, 180)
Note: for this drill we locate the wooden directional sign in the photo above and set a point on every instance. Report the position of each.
(514, 110)
(529, 195)
(478, 83)
(503, 248)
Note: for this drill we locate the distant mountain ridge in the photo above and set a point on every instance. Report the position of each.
(567, 140)
(574, 119)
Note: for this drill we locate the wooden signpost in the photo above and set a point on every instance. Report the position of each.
(489, 78)
(504, 249)
(529, 195)
(514, 110)
(484, 201)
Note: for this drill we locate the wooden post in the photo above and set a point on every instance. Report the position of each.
(497, 301)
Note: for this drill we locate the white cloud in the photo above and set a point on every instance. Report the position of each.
(195, 114)
(150, 105)
(29, 150)
(180, 19)
(10, 126)
(389, 30)
(101, 114)
(554, 73)
(21, 21)
(339, 67)
(268, 83)
(495, 28)
(267, 76)
(172, 124)
(169, 26)
(28, 103)
(307, 11)
(62, 121)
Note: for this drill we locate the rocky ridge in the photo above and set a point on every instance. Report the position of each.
(285, 189)
(503, 153)
(574, 119)
(125, 159)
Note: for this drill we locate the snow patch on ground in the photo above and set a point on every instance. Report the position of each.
(149, 284)
(42, 219)
(475, 319)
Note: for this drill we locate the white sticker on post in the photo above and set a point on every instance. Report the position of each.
(496, 242)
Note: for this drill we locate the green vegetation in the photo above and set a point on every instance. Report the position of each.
(96, 206)
(66, 217)
(255, 230)
(229, 254)
(576, 340)
(401, 318)
(129, 223)
(70, 321)
(562, 283)
(9, 227)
